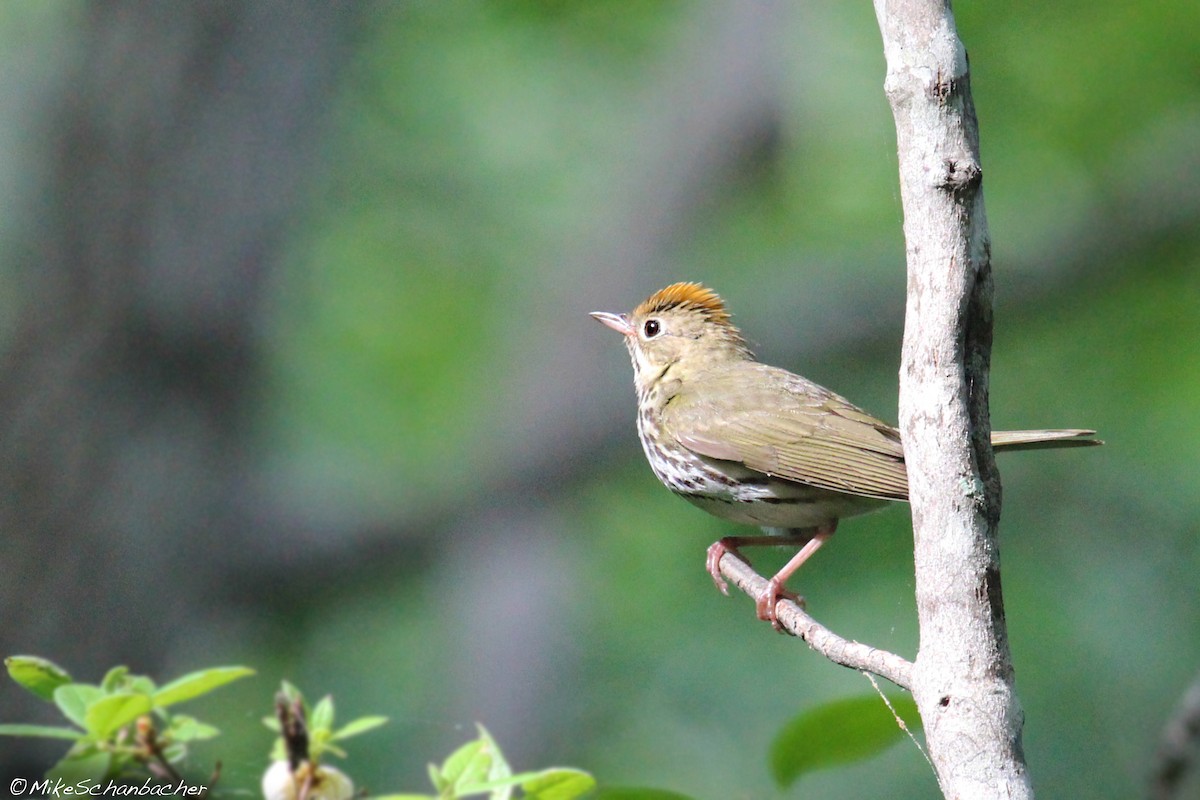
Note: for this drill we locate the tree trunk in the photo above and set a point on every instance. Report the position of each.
(179, 143)
(963, 674)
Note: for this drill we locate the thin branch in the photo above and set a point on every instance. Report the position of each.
(796, 621)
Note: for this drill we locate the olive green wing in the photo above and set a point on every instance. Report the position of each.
(783, 425)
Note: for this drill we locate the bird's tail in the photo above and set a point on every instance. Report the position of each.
(1037, 440)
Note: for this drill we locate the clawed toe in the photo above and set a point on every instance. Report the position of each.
(716, 551)
(765, 604)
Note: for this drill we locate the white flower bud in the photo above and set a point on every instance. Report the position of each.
(328, 783)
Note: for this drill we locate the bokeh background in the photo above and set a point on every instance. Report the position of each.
(297, 371)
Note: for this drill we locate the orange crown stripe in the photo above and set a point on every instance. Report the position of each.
(685, 295)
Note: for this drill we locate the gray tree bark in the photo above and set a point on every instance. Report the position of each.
(963, 678)
(180, 142)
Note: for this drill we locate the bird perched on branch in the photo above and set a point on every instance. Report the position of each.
(756, 444)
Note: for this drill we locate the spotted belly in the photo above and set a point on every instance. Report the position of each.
(732, 491)
(781, 504)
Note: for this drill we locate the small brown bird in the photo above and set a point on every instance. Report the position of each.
(756, 444)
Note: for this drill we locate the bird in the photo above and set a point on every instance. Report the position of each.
(756, 444)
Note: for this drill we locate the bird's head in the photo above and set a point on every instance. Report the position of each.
(684, 327)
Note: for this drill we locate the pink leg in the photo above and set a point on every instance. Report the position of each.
(765, 605)
(731, 544)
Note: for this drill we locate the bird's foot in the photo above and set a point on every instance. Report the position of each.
(765, 604)
(716, 551)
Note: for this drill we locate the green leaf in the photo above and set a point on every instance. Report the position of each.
(318, 739)
(88, 765)
(290, 692)
(467, 765)
(189, 729)
(359, 726)
(500, 767)
(638, 793)
(558, 783)
(402, 797)
(37, 675)
(73, 700)
(505, 785)
(197, 683)
(476, 767)
(45, 731)
(140, 684)
(437, 779)
(327, 747)
(840, 732)
(113, 679)
(175, 753)
(321, 718)
(110, 713)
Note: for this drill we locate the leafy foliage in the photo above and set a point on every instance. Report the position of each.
(319, 720)
(479, 769)
(839, 732)
(122, 724)
(639, 794)
(38, 675)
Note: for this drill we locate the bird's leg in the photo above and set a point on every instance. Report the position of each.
(765, 605)
(732, 544)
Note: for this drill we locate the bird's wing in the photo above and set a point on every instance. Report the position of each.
(789, 427)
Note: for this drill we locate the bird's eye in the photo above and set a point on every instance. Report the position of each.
(651, 328)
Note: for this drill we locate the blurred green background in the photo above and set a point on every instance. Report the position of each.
(412, 479)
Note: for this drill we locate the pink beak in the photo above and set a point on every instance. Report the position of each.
(618, 322)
